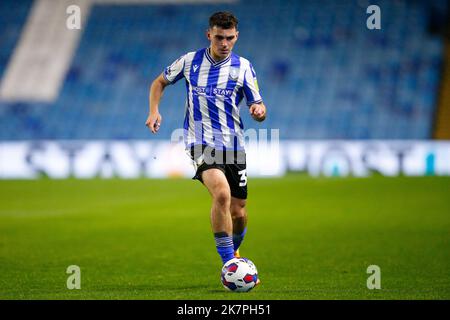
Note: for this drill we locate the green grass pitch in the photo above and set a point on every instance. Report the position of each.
(151, 239)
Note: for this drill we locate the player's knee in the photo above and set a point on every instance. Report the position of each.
(238, 209)
(222, 198)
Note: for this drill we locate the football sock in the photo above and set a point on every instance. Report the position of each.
(224, 245)
(237, 239)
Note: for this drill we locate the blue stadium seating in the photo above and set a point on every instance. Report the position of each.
(12, 16)
(322, 73)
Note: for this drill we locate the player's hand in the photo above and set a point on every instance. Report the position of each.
(258, 112)
(154, 122)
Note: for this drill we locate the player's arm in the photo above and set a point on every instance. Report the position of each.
(156, 91)
(255, 103)
(171, 75)
(258, 111)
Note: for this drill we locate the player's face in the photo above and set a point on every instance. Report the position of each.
(222, 41)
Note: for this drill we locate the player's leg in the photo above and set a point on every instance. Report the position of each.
(237, 179)
(221, 223)
(236, 174)
(239, 218)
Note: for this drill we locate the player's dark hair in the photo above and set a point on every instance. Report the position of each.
(224, 20)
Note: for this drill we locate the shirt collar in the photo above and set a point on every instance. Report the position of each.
(216, 63)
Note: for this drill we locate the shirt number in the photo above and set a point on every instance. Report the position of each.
(243, 174)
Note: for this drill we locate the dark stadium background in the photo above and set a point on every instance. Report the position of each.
(359, 177)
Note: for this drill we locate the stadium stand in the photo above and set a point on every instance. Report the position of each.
(442, 121)
(322, 73)
(13, 15)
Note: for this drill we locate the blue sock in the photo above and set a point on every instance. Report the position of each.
(237, 239)
(224, 245)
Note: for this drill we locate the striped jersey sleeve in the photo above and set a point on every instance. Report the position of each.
(175, 71)
(250, 86)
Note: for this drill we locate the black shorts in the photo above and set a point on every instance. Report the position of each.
(231, 163)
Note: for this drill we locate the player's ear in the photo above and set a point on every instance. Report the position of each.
(237, 35)
(208, 34)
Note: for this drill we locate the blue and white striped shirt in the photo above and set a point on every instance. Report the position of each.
(214, 92)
